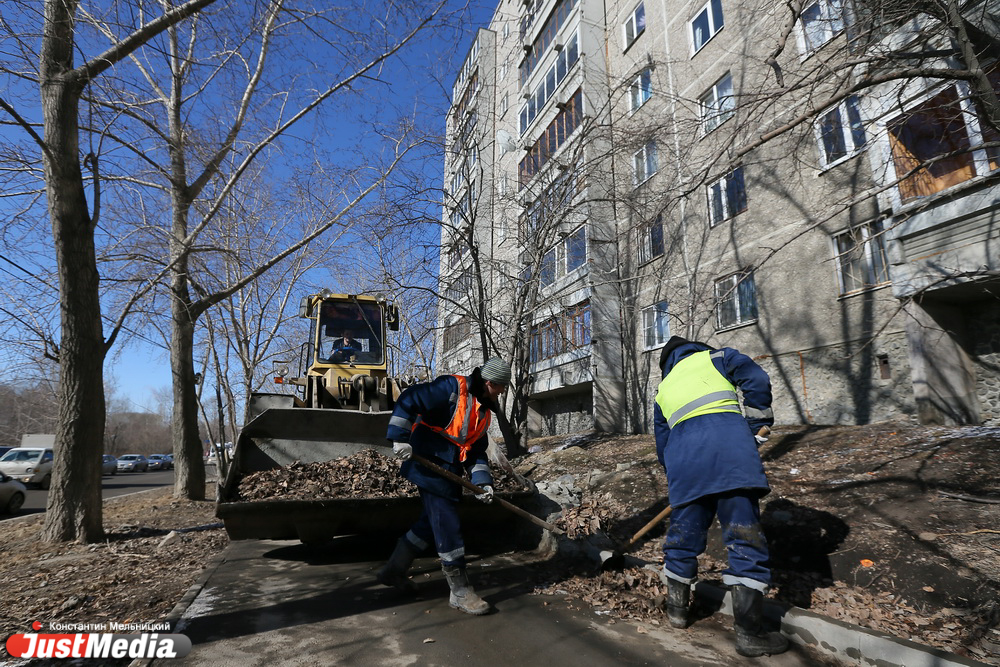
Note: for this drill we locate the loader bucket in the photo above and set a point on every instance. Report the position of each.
(279, 436)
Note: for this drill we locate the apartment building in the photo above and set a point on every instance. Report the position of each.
(620, 172)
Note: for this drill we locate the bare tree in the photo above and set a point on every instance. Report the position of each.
(74, 507)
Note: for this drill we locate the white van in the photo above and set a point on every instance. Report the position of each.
(31, 465)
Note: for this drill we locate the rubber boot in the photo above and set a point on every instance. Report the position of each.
(752, 640)
(462, 595)
(393, 573)
(678, 594)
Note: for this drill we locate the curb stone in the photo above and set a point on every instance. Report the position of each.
(849, 643)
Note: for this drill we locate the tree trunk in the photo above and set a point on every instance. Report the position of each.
(189, 475)
(74, 502)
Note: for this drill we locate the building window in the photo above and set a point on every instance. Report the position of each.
(547, 271)
(576, 249)
(461, 287)
(717, 104)
(546, 36)
(634, 25)
(655, 325)
(932, 141)
(736, 296)
(550, 82)
(861, 258)
(822, 21)
(555, 135)
(455, 334)
(565, 332)
(641, 89)
(706, 24)
(644, 163)
(651, 241)
(577, 325)
(727, 197)
(840, 131)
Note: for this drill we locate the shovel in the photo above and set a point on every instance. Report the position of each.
(447, 474)
(615, 560)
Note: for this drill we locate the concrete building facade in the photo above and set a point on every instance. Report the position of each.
(620, 172)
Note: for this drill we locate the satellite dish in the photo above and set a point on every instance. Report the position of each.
(505, 141)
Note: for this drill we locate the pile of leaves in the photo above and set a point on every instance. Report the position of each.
(366, 474)
(591, 517)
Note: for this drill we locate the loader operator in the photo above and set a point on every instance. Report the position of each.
(345, 347)
(444, 421)
(709, 451)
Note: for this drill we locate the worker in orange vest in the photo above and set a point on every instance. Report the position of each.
(444, 421)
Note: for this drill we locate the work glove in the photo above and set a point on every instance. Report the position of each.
(761, 436)
(402, 450)
(486, 496)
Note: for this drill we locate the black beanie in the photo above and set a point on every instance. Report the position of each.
(672, 344)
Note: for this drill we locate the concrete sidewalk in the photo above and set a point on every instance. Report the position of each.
(262, 594)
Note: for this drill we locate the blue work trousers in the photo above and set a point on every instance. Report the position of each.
(739, 515)
(439, 525)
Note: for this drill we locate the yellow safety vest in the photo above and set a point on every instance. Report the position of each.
(693, 387)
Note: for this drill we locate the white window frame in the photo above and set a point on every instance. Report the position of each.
(655, 325)
(717, 217)
(727, 291)
(641, 89)
(830, 20)
(644, 163)
(870, 238)
(631, 29)
(715, 24)
(718, 104)
(646, 250)
(579, 231)
(852, 143)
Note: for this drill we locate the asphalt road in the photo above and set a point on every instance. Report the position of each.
(281, 603)
(111, 486)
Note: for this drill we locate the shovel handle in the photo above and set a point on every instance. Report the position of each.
(447, 474)
(649, 526)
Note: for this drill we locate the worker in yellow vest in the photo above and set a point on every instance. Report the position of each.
(708, 447)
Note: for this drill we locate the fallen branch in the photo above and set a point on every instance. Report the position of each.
(972, 532)
(971, 499)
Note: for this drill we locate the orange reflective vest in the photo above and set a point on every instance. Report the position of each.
(468, 423)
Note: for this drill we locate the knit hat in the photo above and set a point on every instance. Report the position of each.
(496, 370)
(674, 343)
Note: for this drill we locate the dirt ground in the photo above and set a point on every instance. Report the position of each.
(890, 526)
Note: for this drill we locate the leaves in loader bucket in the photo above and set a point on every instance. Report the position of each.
(366, 474)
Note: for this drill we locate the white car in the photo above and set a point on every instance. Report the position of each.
(11, 494)
(132, 463)
(30, 465)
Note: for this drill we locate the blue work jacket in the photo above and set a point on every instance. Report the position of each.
(716, 452)
(434, 403)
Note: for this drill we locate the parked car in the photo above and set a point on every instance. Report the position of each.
(4, 450)
(11, 494)
(29, 465)
(132, 463)
(157, 462)
(109, 465)
(170, 460)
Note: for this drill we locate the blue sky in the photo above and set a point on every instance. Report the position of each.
(138, 370)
